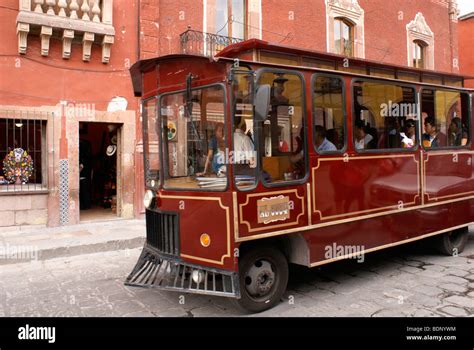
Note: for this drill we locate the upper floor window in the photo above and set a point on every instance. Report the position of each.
(419, 54)
(343, 37)
(228, 18)
(421, 43)
(345, 28)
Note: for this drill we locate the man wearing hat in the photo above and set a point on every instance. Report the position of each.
(277, 93)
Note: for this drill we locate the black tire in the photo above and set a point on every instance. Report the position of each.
(453, 242)
(263, 277)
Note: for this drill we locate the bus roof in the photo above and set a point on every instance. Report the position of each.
(142, 66)
(263, 51)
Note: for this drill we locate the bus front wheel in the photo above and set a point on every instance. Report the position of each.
(263, 274)
(453, 242)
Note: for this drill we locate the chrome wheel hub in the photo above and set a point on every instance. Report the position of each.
(260, 278)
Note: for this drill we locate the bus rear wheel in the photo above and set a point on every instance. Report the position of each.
(263, 274)
(453, 242)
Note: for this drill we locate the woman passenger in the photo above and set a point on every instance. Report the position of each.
(409, 136)
(363, 140)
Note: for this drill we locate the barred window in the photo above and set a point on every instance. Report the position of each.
(23, 155)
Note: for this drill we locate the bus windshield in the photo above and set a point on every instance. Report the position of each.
(195, 144)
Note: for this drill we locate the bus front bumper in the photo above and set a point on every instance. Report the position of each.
(155, 270)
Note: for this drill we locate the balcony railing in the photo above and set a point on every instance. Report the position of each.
(204, 44)
(86, 21)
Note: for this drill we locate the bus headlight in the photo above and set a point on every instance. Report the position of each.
(198, 276)
(148, 199)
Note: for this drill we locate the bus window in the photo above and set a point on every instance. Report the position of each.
(282, 139)
(329, 114)
(150, 143)
(195, 145)
(244, 154)
(385, 116)
(445, 116)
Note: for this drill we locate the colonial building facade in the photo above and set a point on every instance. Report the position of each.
(65, 97)
(70, 134)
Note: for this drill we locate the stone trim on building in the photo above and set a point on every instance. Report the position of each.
(419, 30)
(89, 22)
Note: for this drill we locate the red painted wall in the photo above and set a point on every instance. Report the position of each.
(32, 80)
(385, 28)
(466, 49)
(53, 79)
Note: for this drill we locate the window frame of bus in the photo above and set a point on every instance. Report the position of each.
(385, 150)
(344, 106)
(304, 180)
(242, 68)
(469, 112)
(146, 139)
(165, 145)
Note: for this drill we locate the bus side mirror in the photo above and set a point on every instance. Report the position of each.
(262, 102)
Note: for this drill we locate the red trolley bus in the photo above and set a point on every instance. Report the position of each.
(268, 155)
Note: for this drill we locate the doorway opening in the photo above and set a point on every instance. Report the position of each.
(99, 147)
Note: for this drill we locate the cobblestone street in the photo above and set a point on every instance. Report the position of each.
(405, 281)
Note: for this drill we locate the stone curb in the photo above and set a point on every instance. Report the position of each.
(79, 249)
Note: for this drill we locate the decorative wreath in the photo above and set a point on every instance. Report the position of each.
(18, 165)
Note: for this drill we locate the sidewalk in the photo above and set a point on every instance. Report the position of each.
(47, 243)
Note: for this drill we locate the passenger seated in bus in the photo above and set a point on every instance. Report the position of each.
(321, 141)
(277, 92)
(375, 136)
(394, 137)
(297, 159)
(333, 136)
(216, 151)
(363, 140)
(243, 146)
(432, 138)
(457, 134)
(409, 135)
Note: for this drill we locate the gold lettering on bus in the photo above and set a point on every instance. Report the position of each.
(273, 209)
